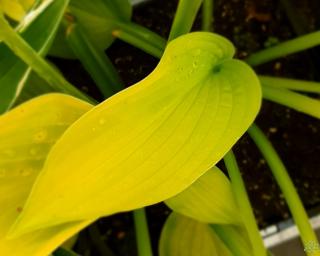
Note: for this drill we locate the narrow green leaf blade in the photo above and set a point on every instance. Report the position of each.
(40, 34)
(98, 19)
(150, 141)
(34, 87)
(294, 100)
(184, 236)
(209, 199)
(27, 133)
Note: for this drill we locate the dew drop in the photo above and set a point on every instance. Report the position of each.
(33, 151)
(40, 136)
(102, 121)
(58, 116)
(25, 172)
(195, 64)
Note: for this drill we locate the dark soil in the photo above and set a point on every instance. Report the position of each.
(251, 25)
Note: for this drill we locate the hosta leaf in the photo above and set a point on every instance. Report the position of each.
(13, 71)
(27, 133)
(15, 9)
(98, 18)
(184, 236)
(235, 238)
(150, 141)
(208, 200)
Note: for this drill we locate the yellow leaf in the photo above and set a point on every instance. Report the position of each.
(27, 133)
(210, 199)
(15, 9)
(183, 236)
(150, 141)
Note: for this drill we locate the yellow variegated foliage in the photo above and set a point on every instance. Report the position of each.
(150, 141)
(27, 133)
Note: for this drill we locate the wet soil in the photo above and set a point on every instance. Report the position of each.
(250, 25)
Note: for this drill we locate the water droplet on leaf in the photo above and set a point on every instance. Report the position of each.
(40, 136)
(102, 121)
(33, 151)
(195, 64)
(25, 172)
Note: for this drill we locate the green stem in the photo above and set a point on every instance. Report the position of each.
(141, 38)
(94, 61)
(24, 51)
(293, 100)
(287, 187)
(233, 239)
(297, 21)
(207, 15)
(291, 46)
(244, 205)
(184, 17)
(292, 84)
(143, 33)
(142, 233)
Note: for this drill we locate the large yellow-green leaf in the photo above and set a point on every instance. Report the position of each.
(98, 18)
(183, 236)
(209, 199)
(150, 141)
(27, 133)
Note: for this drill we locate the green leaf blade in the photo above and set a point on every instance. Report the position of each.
(39, 34)
(98, 18)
